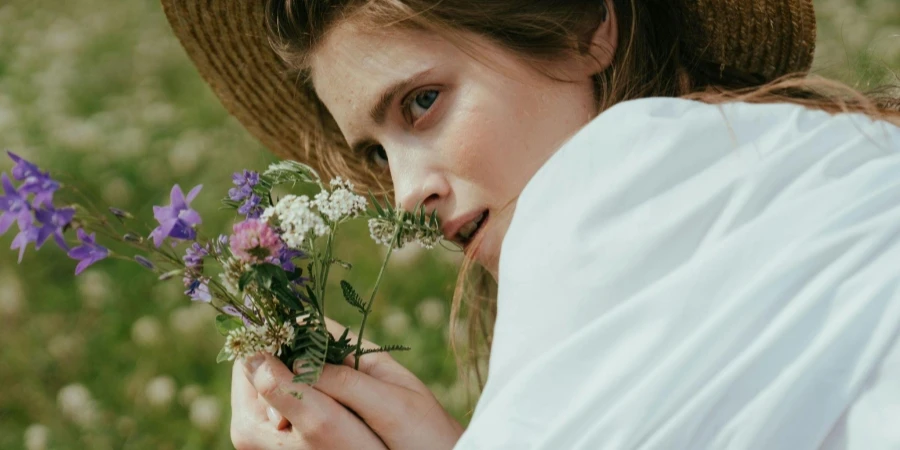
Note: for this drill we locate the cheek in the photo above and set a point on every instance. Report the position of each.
(482, 147)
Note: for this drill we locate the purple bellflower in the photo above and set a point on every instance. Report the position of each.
(34, 181)
(14, 207)
(244, 183)
(193, 256)
(178, 219)
(197, 289)
(243, 190)
(20, 242)
(251, 207)
(53, 221)
(88, 252)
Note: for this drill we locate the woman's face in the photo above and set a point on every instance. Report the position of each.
(457, 135)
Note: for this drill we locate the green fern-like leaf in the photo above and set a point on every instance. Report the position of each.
(352, 297)
(386, 348)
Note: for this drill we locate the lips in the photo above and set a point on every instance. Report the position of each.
(463, 230)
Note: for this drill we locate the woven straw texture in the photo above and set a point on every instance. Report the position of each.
(226, 39)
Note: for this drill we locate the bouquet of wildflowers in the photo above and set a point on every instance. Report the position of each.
(267, 279)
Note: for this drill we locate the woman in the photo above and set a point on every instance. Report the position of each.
(699, 246)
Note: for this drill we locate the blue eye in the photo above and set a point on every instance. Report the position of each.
(378, 155)
(426, 99)
(419, 104)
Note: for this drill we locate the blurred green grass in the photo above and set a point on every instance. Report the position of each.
(100, 92)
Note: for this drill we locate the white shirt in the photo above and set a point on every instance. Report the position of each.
(690, 276)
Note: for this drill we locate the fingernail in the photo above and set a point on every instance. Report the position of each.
(274, 416)
(253, 362)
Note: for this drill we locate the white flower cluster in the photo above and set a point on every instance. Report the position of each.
(341, 203)
(248, 341)
(382, 232)
(296, 219)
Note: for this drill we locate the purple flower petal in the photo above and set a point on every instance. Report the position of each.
(23, 169)
(88, 252)
(22, 239)
(193, 194)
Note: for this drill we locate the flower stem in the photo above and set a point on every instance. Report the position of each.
(362, 326)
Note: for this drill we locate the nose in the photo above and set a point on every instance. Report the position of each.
(418, 182)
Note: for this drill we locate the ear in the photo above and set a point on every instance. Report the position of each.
(601, 48)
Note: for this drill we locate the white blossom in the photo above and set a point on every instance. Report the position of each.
(160, 391)
(431, 312)
(296, 219)
(76, 403)
(243, 342)
(36, 437)
(341, 203)
(382, 231)
(146, 331)
(274, 337)
(205, 413)
(11, 295)
(396, 323)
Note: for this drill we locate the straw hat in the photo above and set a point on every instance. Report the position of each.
(226, 39)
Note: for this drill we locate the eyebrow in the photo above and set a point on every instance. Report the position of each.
(378, 112)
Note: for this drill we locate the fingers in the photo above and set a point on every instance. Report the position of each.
(274, 383)
(244, 399)
(376, 401)
(320, 420)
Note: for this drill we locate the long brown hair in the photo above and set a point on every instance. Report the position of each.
(653, 58)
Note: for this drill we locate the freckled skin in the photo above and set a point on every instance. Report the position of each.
(490, 129)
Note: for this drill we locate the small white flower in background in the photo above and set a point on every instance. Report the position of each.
(65, 347)
(431, 312)
(146, 331)
(77, 404)
(341, 203)
(395, 323)
(205, 413)
(296, 219)
(36, 437)
(160, 391)
(187, 152)
(94, 287)
(188, 394)
(11, 295)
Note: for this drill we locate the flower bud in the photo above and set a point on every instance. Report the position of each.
(170, 274)
(144, 262)
(121, 214)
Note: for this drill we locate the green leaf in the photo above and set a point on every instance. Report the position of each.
(226, 323)
(375, 203)
(386, 348)
(222, 357)
(352, 297)
(245, 279)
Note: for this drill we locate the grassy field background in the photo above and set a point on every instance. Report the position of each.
(99, 91)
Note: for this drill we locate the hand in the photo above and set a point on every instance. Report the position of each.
(396, 409)
(275, 419)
